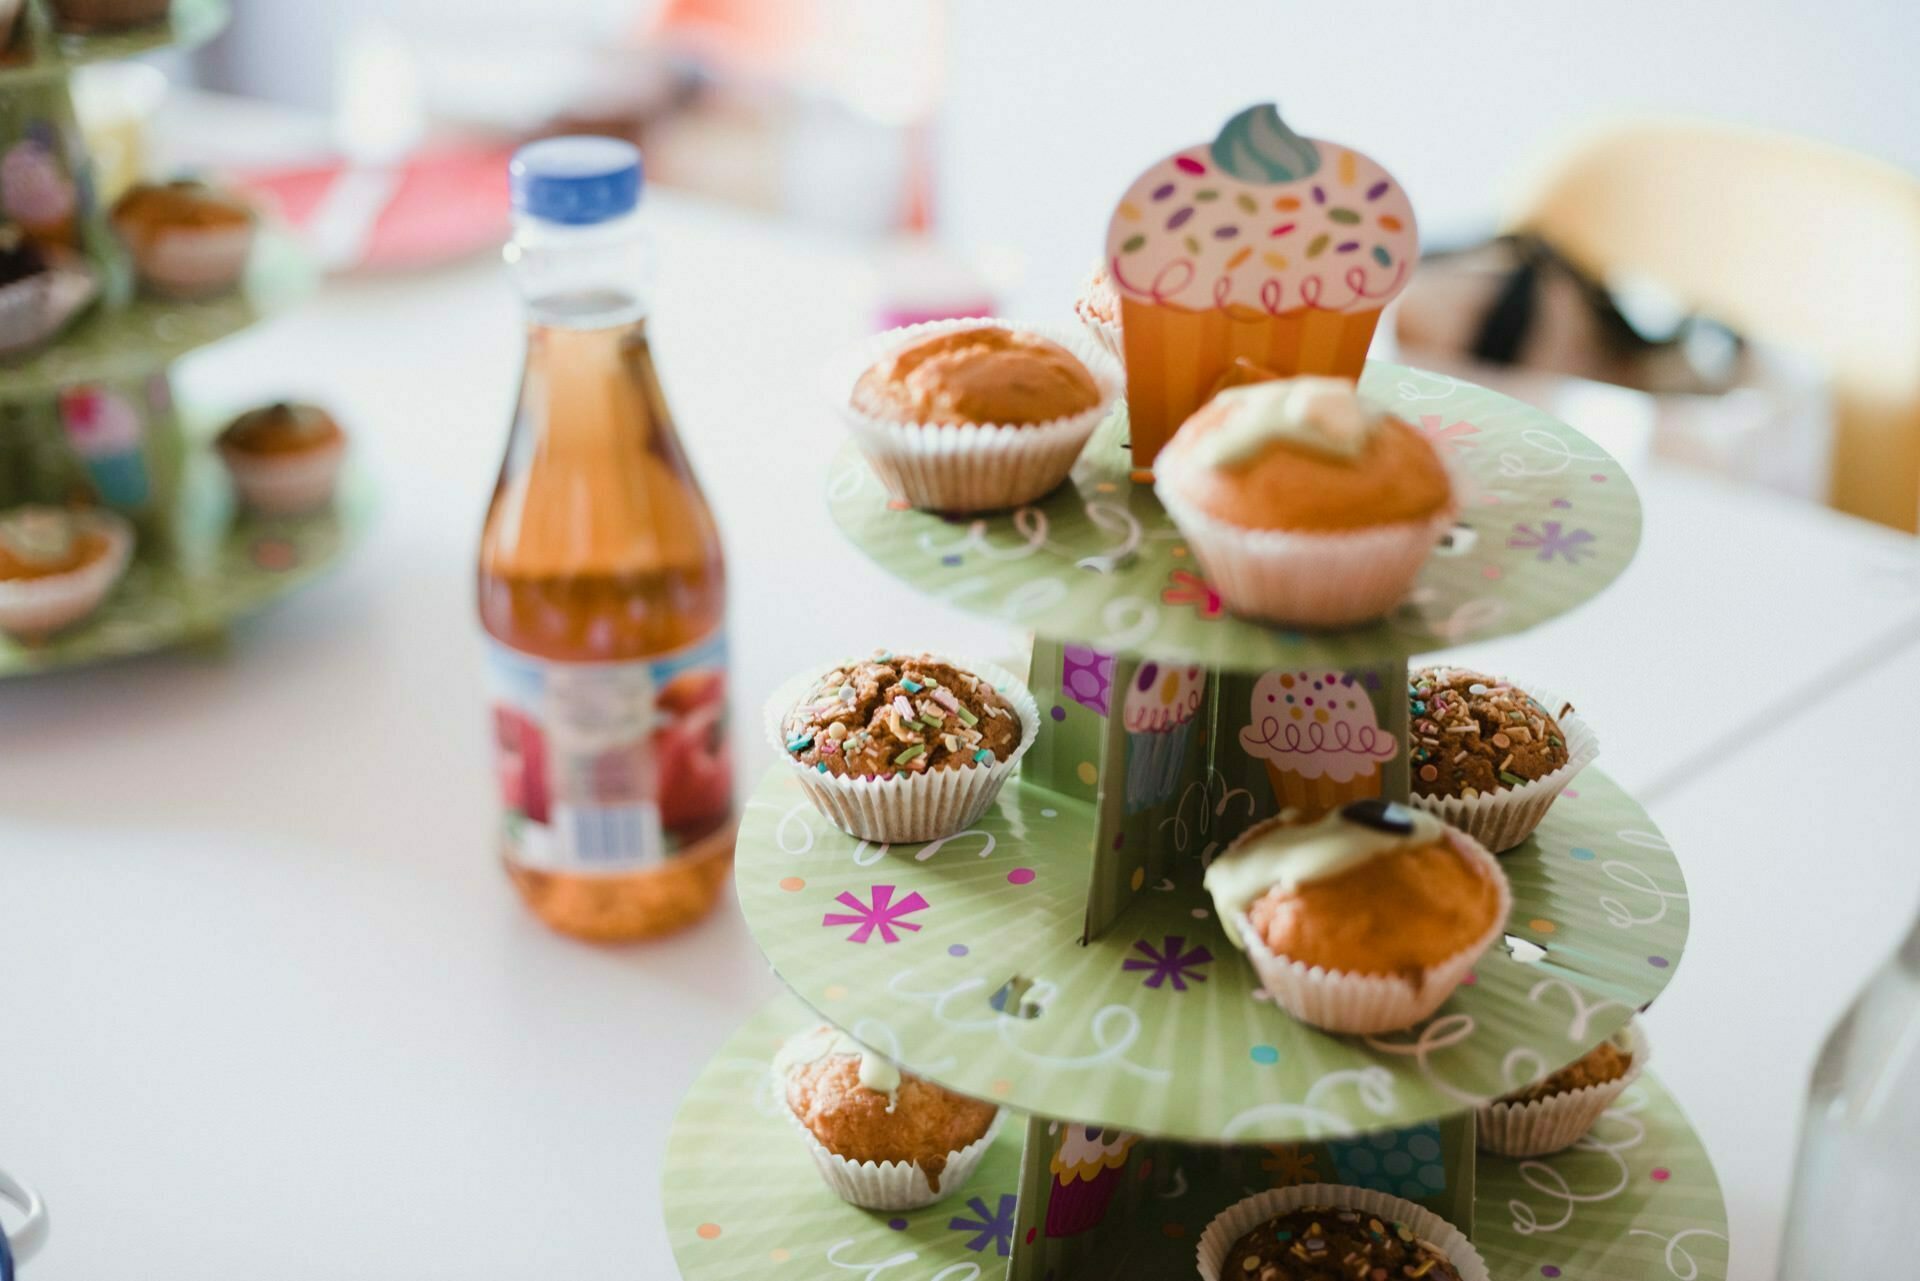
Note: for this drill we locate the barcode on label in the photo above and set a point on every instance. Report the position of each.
(609, 835)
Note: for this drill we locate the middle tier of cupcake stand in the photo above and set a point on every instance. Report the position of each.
(1060, 958)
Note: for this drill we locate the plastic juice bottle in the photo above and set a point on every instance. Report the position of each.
(602, 586)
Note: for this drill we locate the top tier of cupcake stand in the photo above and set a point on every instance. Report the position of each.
(987, 963)
(198, 566)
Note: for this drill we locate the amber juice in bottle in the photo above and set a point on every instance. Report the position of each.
(602, 587)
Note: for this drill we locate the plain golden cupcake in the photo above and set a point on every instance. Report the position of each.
(188, 240)
(1305, 503)
(904, 747)
(57, 566)
(882, 1139)
(1490, 757)
(284, 458)
(1364, 920)
(1561, 1108)
(976, 415)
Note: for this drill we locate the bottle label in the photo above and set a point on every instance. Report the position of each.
(611, 767)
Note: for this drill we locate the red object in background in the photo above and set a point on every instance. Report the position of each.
(690, 744)
(451, 202)
(522, 763)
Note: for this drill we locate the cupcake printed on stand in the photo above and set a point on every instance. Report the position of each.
(1159, 711)
(1319, 738)
(105, 429)
(1087, 1169)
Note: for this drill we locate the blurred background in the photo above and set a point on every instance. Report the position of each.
(1732, 187)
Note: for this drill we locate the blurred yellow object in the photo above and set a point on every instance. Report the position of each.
(115, 103)
(1789, 241)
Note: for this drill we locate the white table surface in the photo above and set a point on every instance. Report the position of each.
(268, 1007)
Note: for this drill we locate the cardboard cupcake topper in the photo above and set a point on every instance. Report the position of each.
(1261, 244)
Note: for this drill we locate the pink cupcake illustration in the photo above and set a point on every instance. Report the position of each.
(1159, 709)
(37, 193)
(1087, 1169)
(1318, 737)
(105, 430)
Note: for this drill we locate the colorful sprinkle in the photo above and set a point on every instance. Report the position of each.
(1346, 216)
(1187, 164)
(1162, 191)
(1193, 246)
(1285, 203)
(1206, 195)
(1377, 190)
(1132, 243)
(1348, 247)
(1020, 876)
(1283, 229)
(1319, 196)
(1129, 211)
(1246, 202)
(983, 755)
(966, 717)
(1276, 261)
(1318, 246)
(1265, 1054)
(1381, 256)
(820, 767)
(912, 753)
(1390, 222)
(800, 744)
(1245, 252)
(1225, 233)
(1346, 168)
(911, 685)
(1180, 218)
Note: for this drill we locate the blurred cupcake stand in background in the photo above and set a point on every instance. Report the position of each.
(121, 526)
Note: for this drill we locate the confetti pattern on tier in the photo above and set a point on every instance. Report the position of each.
(984, 986)
(1548, 520)
(1637, 1201)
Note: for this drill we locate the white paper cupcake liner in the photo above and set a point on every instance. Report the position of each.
(908, 808)
(1559, 1121)
(1105, 332)
(1503, 819)
(26, 319)
(1234, 1222)
(192, 262)
(1336, 1001)
(33, 608)
(1304, 579)
(894, 1185)
(968, 467)
(285, 484)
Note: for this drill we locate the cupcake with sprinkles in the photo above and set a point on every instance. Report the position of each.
(904, 748)
(1561, 1108)
(974, 415)
(1261, 244)
(1324, 1231)
(1488, 756)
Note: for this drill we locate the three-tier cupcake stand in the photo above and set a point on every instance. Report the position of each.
(1060, 958)
(91, 417)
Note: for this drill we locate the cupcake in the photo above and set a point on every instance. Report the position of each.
(187, 239)
(1317, 735)
(57, 566)
(882, 1139)
(1261, 244)
(1087, 1169)
(1158, 712)
(905, 748)
(1098, 306)
(97, 17)
(1559, 1110)
(1324, 1231)
(1487, 756)
(1364, 920)
(1305, 504)
(106, 431)
(284, 458)
(975, 415)
(27, 316)
(37, 192)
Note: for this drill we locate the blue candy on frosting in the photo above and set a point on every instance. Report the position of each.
(1257, 146)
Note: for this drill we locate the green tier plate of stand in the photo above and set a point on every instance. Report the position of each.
(1637, 1199)
(962, 959)
(202, 566)
(148, 334)
(48, 54)
(1547, 520)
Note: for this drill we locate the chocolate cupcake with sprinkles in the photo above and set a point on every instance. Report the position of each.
(1261, 244)
(1488, 756)
(904, 748)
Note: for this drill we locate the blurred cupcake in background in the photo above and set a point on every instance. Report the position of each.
(107, 433)
(284, 458)
(188, 240)
(97, 17)
(37, 192)
(1098, 307)
(57, 566)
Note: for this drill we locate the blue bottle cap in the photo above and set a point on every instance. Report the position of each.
(576, 180)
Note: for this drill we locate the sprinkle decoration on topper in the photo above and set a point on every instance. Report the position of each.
(1266, 220)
